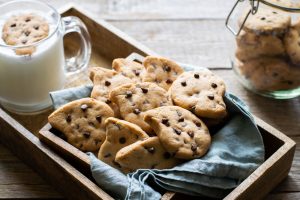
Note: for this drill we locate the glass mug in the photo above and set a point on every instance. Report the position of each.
(26, 80)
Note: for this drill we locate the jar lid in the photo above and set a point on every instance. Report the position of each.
(285, 5)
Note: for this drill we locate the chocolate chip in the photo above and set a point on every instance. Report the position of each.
(107, 83)
(213, 85)
(167, 155)
(136, 111)
(107, 155)
(196, 76)
(151, 150)
(136, 72)
(165, 121)
(84, 107)
(36, 27)
(13, 25)
(274, 12)
(181, 119)
(183, 84)
(128, 94)
(27, 33)
(86, 134)
(168, 81)
(153, 166)
(198, 124)
(178, 132)
(99, 118)
(190, 133)
(144, 90)
(275, 74)
(27, 20)
(211, 96)
(24, 41)
(108, 101)
(194, 147)
(167, 68)
(290, 82)
(122, 140)
(69, 118)
(263, 18)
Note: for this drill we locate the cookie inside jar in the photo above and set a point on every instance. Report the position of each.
(267, 52)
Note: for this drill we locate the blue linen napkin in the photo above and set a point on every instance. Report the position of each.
(237, 150)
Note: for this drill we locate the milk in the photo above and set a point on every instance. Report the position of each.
(25, 81)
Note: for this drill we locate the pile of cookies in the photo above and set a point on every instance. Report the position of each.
(151, 115)
(268, 51)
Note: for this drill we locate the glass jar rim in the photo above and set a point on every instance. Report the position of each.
(14, 47)
(281, 7)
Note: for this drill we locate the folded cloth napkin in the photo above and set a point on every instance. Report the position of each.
(237, 150)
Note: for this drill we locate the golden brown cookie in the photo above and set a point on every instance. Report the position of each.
(104, 81)
(82, 122)
(251, 45)
(181, 133)
(269, 74)
(267, 21)
(119, 134)
(130, 69)
(146, 154)
(292, 45)
(200, 92)
(161, 71)
(25, 29)
(136, 98)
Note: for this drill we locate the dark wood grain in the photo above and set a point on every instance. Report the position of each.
(189, 31)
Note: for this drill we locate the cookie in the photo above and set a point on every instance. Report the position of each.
(200, 92)
(269, 74)
(161, 71)
(292, 45)
(104, 81)
(180, 132)
(24, 29)
(130, 69)
(136, 98)
(251, 45)
(119, 133)
(267, 21)
(147, 154)
(82, 122)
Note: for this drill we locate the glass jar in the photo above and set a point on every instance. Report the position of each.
(266, 59)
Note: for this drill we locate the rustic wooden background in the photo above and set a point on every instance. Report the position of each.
(190, 31)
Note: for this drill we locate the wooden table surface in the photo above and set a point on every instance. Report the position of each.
(190, 31)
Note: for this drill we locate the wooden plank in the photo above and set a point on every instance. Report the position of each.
(154, 9)
(200, 42)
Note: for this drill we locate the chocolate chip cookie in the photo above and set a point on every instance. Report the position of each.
(161, 71)
(147, 154)
(267, 21)
(130, 69)
(136, 98)
(82, 122)
(104, 81)
(24, 29)
(119, 134)
(200, 92)
(181, 133)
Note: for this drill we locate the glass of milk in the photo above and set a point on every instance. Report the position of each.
(26, 80)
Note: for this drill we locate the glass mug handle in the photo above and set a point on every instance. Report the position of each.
(80, 61)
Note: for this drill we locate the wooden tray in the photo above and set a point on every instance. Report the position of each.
(18, 133)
